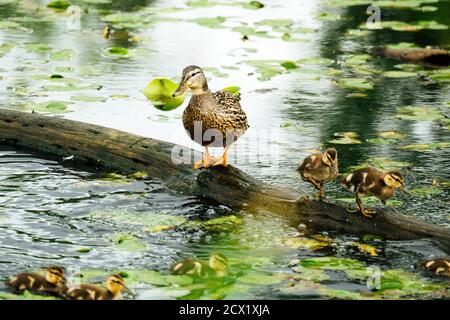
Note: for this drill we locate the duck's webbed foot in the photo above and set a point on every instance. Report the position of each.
(206, 162)
(223, 160)
(368, 213)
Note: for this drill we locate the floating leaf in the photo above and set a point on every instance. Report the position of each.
(331, 263)
(426, 147)
(289, 65)
(399, 74)
(5, 48)
(249, 31)
(305, 243)
(259, 279)
(58, 4)
(266, 68)
(346, 138)
(355, 83)
(419, 113)
(366, 248)
(276, 22)
(159, 91)
(210, 22)
(216, 72)
(118, 51)
(49, 106)
(402, 45)
(127, 242)
(254, 5)
(25, 296)
(233, 89)
(88, 98)
(83, 250)
(382, 163)
(426, 191)
(63, 55)
(392, 135)
(38, 47)
(310, 274)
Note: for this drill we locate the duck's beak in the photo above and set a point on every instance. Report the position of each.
(180, 90)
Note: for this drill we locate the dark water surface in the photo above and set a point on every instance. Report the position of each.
(95, 223)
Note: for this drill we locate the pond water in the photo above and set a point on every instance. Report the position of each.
(306, 81)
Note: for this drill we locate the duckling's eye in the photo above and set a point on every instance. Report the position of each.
(194, 74)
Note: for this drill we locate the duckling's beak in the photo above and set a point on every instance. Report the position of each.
(180, 90)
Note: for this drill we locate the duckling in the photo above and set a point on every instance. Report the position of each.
(438, 267)
(217, 265)
(371, 181)
(319, 168)
(211, 119)
(53, 283)
(113, 291)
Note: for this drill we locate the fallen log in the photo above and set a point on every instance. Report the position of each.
(101, 147)
(427, 57)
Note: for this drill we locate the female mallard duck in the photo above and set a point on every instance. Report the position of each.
(53, 283)
(367, 182)
(319, 168)
(211, 119)
(217, 265)
(438, 267)
(115, 285)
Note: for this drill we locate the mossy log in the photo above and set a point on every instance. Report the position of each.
(428, 57)
(100, 147)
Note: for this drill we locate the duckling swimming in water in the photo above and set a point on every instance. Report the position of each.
(115, 285)
(438, 267)
(371, 181)
(217, 265)
(211, 119)
(53, 283)
(320, 168)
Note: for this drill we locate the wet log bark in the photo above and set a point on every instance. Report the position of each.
(428, 57)
(100, 147)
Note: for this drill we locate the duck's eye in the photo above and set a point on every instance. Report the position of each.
(194, 74)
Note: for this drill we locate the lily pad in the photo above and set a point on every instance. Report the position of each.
(5, 48)
(266, 69)
(346, 138)
(215, 72)
(258, 279)
(355, 83)
(426, 191)
(129, 243)
(419, 113)
(216, 22)
(393, 134)
(38, 47)
(233, 89)
(289, 65)
(49, 106)
(88, 98)
(383, 164)
(254, 5)
(25, 296)
(331, 263)
(118, 51)
(399, 74)
(305, 243)
(410, 26)
(159, 91)
(309, 274)
(426, 147)
(252, 32)
(62, 55)
(58, 4)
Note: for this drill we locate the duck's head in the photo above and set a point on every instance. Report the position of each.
(218, 262)
(116, 285)
(329, 157)
(193, 79)
(394, 179)
(55, 275)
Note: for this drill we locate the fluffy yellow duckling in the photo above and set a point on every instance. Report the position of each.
(217, 265)
(53, 283)
(439, 267)
(115, 285)
(320, 168)
(371, 181)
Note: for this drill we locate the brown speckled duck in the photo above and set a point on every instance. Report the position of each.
(53, 283)
(115, 285)
(371, 181)
(212, 119)
(319, 168)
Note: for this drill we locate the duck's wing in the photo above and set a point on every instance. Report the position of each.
(230, 109)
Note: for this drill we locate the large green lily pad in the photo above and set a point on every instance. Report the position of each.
(159, 91)
(419, 113)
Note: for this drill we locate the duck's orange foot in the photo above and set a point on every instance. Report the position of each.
(368, 213)
(206, 162)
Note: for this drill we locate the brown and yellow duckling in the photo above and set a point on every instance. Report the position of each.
(217, 265)
(115, 285)
(212, 119)
(320, 168)
(52, 283)
(439, 267)
(371, 181)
